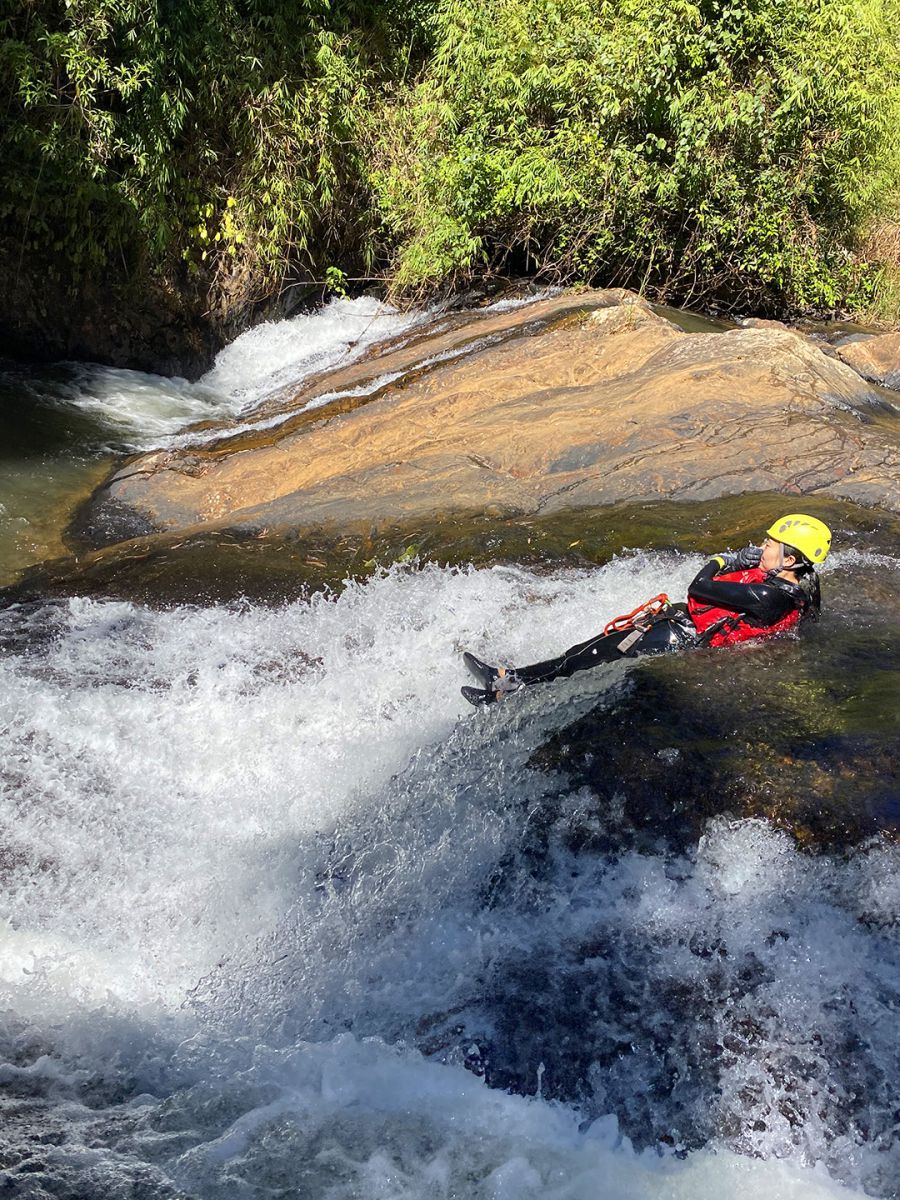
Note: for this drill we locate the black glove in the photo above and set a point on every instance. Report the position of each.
(739, 560)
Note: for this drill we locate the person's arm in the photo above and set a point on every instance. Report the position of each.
(765, 603)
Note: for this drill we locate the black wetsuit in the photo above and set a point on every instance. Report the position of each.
(760, 604)
(672, 630)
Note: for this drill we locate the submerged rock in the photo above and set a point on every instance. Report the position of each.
(695, 739)
(802, 733)
(216, 565)
(581, 400)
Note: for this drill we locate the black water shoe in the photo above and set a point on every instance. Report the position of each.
(483, 672)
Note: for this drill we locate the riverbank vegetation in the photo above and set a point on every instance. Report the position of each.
(740, 152)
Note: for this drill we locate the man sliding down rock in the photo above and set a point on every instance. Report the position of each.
(757, 592)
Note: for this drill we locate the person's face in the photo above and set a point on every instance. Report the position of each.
(771, 559)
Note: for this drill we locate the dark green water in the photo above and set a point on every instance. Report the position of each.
(51, 456)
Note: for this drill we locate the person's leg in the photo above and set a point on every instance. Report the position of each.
(603, 647)
(660, 638)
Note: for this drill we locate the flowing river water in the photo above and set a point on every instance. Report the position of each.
(281, 916)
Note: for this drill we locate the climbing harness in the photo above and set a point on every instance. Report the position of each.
(636, 623)
(646, 611)
(724, 626)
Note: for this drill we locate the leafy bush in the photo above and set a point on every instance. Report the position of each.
(217, 134)
(733, 148)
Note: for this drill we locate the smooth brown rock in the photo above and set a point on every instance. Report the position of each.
(580, 400)
(876, 358)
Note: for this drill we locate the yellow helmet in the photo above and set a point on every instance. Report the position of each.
(809, 535)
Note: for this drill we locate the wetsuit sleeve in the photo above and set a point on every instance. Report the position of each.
(764, 603)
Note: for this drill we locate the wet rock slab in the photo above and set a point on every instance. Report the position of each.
(876, 358)
(582, 400)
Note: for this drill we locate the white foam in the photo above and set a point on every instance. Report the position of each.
(173, 757)
(509, 305)
(280, 353)
(452, 1136)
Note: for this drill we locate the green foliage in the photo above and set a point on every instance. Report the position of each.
(222, 135)
(737, 149)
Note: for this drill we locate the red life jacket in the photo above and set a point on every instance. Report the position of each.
(734, 627)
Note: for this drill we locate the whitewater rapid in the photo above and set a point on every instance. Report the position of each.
(245, 864)
(136, 411)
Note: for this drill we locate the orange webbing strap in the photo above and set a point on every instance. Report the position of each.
(648, 609)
